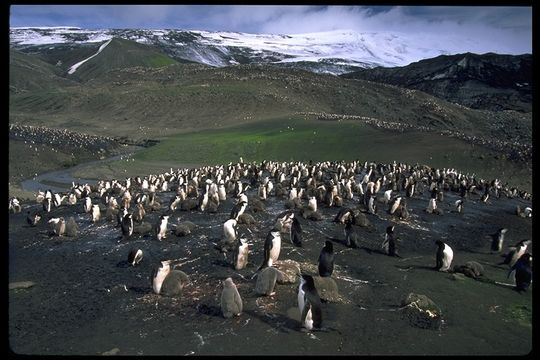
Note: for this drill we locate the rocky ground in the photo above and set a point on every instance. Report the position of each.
(77, 295)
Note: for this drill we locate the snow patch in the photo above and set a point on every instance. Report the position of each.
(74, 67)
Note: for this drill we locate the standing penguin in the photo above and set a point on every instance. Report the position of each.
(47, 204)
(389, 243)
(241, 252)
(168, 282)
(59, 227)
(459, 205)
(272, 247)
(351, 236)
(238, 210)
(161, 227)
(96, 213)
(309, 303)
(229, 234)
(372, 205)
(326, 260)
(516, 252)
(127, 226)
(523, 272)
(231, 302)
(296, 232)
(498, 238)
(444, 256)
(135, 257)
(87, 204)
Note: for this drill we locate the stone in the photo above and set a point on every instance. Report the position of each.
(21, 285)
(290, 270)
(421, 311)
(327, 288)
(143, 228)
(471, 269)
(72, 229)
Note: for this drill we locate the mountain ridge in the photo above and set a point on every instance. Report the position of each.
(480, 81)
(334, 52)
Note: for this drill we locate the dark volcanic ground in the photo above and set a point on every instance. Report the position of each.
(87, 301)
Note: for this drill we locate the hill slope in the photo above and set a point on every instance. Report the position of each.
(489, 81)
(27, 72)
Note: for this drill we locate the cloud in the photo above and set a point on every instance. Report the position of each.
(490, 28)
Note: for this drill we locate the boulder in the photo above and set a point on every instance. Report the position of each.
(142, 228)
(72, 229)
(421, 311)
(471, 269)
(247, 219)
(266, 280)
(327, 288)
(290, 270)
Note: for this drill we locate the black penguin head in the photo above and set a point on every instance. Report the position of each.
(390, 229)
(439, 243)
(329, 246)
(307, 282)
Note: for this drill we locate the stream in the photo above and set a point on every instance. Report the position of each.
(61, 180)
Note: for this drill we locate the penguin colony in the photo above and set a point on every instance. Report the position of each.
(367, 188)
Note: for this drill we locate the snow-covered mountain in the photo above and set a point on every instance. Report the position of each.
(336, 52)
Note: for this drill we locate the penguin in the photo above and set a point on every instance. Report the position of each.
(459, 205)
(238, 210)
(272, 247)
(389, 243)
(168, 282)
(351, 236)
(15, 205)
(127, 225)
(87, 204)
(262, 192)
(222, 193)
(58, 199)
(498, 238)
(120, 216)
(139, 213)
(522, 272)
(343, 215)
(394, 204)
(47, 204)
(32, 220)
(296, 232)
(312, 204)
(229, 233)
(203, 199)
(96, 213)
(410, 189)
(135, 256)
(241, 253)
(309, 303)
(372, 205)
(161, 228)
(515, 252)
(485, 197)
(266, 281)
(59, 227)
(231, 302)
(175, 202)
(387, 196)
(326, 260)
(444, 256)
(432, 205)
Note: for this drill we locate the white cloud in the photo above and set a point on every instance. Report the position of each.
(497, 29)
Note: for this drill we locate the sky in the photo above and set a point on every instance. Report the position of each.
(500, 29)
